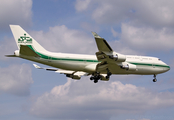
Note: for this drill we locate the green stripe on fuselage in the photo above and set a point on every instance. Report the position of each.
(66, 59)
(82, 60)
(145, 64)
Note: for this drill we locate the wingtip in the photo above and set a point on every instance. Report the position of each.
(11, 25)
(36, 66)
(95, 35)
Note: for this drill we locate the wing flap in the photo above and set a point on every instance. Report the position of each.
(64, 71)
(72, 74)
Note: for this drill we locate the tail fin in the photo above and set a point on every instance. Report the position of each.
(23, 38)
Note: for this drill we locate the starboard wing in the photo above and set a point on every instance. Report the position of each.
(72, 74)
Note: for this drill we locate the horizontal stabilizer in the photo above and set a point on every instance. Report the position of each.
(10, 55)
(25, 50)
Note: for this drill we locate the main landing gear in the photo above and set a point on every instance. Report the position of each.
(154, 80)
(108, 74)
(96, 77)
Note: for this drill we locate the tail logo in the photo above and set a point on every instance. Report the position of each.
(24, 39)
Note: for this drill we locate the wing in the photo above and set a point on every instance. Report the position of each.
(102, 45)
(110, 60)
(26, 50)
(72, 74)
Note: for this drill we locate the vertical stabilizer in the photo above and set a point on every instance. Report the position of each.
(23, 38)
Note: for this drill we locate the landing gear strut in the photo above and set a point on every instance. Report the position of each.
(108, 74)
(154, 80)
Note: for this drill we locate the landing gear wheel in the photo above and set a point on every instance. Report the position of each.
(107, 77)
(91, 78)
(96, 76)
(95, 81)
(109, 74)
(154, 80)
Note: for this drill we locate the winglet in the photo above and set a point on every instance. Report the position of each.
(36, 66)
(102, 44)
(95, 35)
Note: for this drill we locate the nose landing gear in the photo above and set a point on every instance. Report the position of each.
(154, 80)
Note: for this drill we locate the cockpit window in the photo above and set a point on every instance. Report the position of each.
(159, 59)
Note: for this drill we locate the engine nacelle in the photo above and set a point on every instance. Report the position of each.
(129, 67)
(118, 57)
(73, 76)
(16, 52)
(103, 77)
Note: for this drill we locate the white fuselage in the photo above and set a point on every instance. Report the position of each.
(87, 63)
(100, 66)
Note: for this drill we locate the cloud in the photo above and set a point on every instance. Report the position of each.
(7, 47)
(146, 38)
(86, 100)
(141, 26)
(63, 39)
(82, 5)
(15, 12)
(153, 13)
(16, 80)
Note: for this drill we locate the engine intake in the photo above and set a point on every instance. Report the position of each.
(129, 67)
(118, 57)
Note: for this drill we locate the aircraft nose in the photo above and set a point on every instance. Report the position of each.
(167, 68)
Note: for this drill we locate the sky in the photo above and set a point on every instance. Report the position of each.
(136, 27)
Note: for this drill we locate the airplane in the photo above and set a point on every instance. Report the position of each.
(100, 66)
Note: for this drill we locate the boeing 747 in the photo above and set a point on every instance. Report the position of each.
(100, 66)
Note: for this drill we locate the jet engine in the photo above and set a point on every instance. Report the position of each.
(129, 67)
(118, 57)
(73, 76)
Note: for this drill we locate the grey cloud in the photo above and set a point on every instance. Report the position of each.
(85, 100)
(16, 80)
(63, 39)
(15, 12)
(153, 13)
(147, 38)
(7, 47)
(82, 5)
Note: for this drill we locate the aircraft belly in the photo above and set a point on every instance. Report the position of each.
(69, 65)
(62, 64)
(141, 70)
(81, 66)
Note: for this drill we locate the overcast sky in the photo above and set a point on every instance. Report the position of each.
(138, 27)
